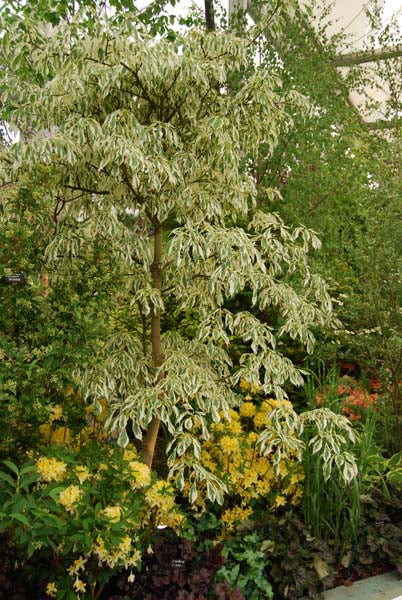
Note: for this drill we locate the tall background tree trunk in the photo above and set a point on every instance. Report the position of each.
(209, 15)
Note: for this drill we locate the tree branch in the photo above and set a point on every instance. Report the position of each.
(358, 58)
(78, 188)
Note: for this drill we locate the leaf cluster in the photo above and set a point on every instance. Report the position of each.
(177, 569)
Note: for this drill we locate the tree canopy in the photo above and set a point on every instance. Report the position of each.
(118, 123)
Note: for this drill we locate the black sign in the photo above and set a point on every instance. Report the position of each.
(13, 279)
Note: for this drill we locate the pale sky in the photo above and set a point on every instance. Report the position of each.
(390, 6)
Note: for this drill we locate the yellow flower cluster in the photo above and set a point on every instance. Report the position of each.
(232, 454)
(229, 444)
(82, 473)
(69, 497)
(77, 565)
(113, 513)
(232, 516)
(247, 409)
(252, 437)
(245, 386)
(55, 413)
(51, 589)
(51, 469)
(123, 554)
(141, 474)
(160, 497)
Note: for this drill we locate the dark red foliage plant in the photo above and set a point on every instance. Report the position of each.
(175, 569)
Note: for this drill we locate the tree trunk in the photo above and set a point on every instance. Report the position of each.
(396, 405)
(209, 15)
(150, 439)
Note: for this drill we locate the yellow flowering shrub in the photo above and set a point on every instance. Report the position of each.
(254, 481)
(96, 508)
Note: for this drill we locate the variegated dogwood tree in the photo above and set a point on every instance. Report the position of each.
(144, 145)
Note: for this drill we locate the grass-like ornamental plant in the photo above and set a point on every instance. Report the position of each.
(335, 462)
(343, 459)
(328, 437)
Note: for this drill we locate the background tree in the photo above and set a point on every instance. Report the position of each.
(340, 176)
(49, 327)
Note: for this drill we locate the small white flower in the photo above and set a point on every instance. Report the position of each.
(131, 578)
